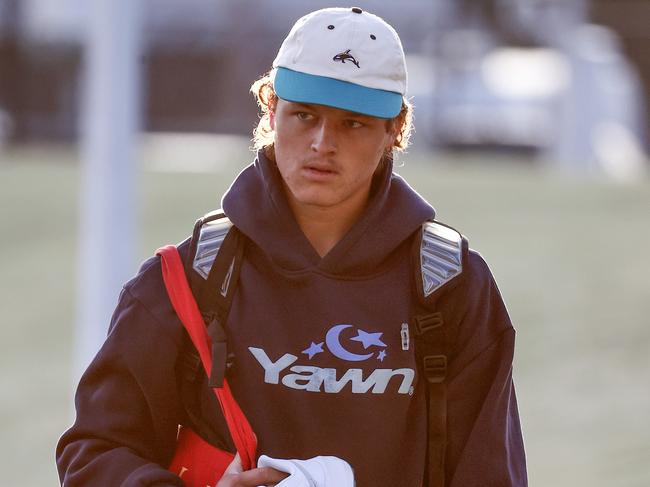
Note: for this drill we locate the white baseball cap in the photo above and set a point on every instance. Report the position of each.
(343, 58)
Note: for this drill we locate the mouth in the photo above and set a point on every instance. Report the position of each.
(319, 170)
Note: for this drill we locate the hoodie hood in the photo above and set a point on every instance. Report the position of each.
(257, 205)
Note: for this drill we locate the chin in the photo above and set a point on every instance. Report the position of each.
(312, 199)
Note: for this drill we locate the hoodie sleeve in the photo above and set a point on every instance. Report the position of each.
(127, 406)
(485, 445)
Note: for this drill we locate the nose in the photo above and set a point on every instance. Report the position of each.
(324, 137)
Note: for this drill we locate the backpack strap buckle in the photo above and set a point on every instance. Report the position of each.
(219, 352)
(428, 323)
(435, 368)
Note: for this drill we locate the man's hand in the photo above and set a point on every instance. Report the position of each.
(234, 476)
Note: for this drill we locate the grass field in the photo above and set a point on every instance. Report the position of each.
(571, 257)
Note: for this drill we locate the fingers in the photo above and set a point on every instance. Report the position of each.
(252, 478)
(261, 476)
(235, 466)
(234, 476)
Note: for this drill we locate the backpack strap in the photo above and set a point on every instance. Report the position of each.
(438, 255)
(216, 254)
(187, 310)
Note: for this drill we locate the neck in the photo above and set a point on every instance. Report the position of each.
(324, 227)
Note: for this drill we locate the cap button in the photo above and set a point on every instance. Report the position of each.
(357, 10)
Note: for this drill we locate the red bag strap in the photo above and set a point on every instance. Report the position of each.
(187, 310)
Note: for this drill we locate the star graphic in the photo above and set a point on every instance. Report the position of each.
(369, 339)
(381, 355)
(313, 349)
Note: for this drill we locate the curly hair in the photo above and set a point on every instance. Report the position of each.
(265, 96)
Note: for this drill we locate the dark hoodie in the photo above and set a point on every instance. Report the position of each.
(319, 363)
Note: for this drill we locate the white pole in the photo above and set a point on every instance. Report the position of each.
(109, 125)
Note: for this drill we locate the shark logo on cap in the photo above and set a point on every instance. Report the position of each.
(346, 56)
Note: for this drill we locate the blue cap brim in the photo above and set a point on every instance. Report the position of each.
(308, 88)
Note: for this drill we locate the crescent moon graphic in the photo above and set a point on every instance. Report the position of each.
(334, 344)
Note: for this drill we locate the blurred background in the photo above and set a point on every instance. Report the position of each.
(122, 121)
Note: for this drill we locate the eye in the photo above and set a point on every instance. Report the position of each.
(330, 27)
(373, 37)
(304, 116)
(353, 124)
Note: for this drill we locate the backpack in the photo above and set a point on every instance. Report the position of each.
(438, 254)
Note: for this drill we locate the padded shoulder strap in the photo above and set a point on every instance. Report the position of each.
(208, 236)
(442, 251)
(215, 257)
(439, 256)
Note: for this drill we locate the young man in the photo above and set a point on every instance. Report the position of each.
(326, 319)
